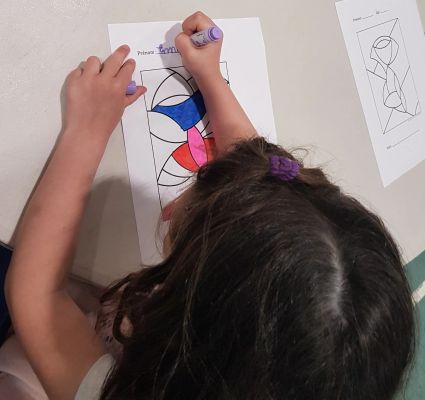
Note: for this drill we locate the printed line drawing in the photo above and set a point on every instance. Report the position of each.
(390, 75)
(179, 129)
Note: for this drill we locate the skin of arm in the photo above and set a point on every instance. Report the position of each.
(56, 336)
(229, 122)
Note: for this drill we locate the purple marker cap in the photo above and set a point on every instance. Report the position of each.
(214, 33)
(206, 36)
(131, 88)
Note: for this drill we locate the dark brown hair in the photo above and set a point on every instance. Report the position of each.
(272, 290)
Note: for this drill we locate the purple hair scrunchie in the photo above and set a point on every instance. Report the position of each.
(284, 168)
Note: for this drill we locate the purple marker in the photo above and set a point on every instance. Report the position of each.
(131, 88)
(206, 36)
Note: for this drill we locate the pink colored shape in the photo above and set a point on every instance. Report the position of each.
(197, 146)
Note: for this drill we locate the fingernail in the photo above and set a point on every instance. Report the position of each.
(125, 47)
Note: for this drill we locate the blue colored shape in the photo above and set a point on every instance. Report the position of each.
(186, 114)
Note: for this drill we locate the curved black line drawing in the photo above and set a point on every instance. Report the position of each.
(172, 83)
(389, 73)
(393, 94)
(177, 185)
(172, 74)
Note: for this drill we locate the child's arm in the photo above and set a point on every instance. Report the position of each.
(56, 336)
(228, 120)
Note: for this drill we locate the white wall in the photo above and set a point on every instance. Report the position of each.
(315, 101)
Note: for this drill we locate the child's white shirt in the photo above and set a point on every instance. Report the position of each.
(91, 386)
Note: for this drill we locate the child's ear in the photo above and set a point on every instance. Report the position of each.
(126, 327)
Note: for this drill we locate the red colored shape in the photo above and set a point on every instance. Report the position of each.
(184, 157)
(210, 148)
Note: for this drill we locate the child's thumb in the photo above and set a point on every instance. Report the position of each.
(183, 43)
(132, 98)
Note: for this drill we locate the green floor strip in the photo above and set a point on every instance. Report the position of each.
(416, 271)
(415, 389)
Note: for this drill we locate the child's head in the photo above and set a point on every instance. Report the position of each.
(272, 290)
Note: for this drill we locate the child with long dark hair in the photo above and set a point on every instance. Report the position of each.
(275, 284)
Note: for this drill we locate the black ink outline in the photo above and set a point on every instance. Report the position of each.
(168, 77)
(150, 137)
(368, 71)
(173, 72)
(393, 146)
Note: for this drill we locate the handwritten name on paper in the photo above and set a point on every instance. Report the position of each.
(161, 49)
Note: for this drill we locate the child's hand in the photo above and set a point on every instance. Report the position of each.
(202, 62)
(96, 94)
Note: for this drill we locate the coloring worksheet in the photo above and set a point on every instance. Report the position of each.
(386, 46)
(167, 132)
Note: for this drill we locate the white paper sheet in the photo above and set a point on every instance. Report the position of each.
(386, 46)
(156, 135)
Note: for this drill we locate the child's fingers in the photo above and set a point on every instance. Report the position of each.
(183, 43)
(114, 62)
(132, 98)
(126, 71)
(92, 66)
(196, 22)
(74, 74)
